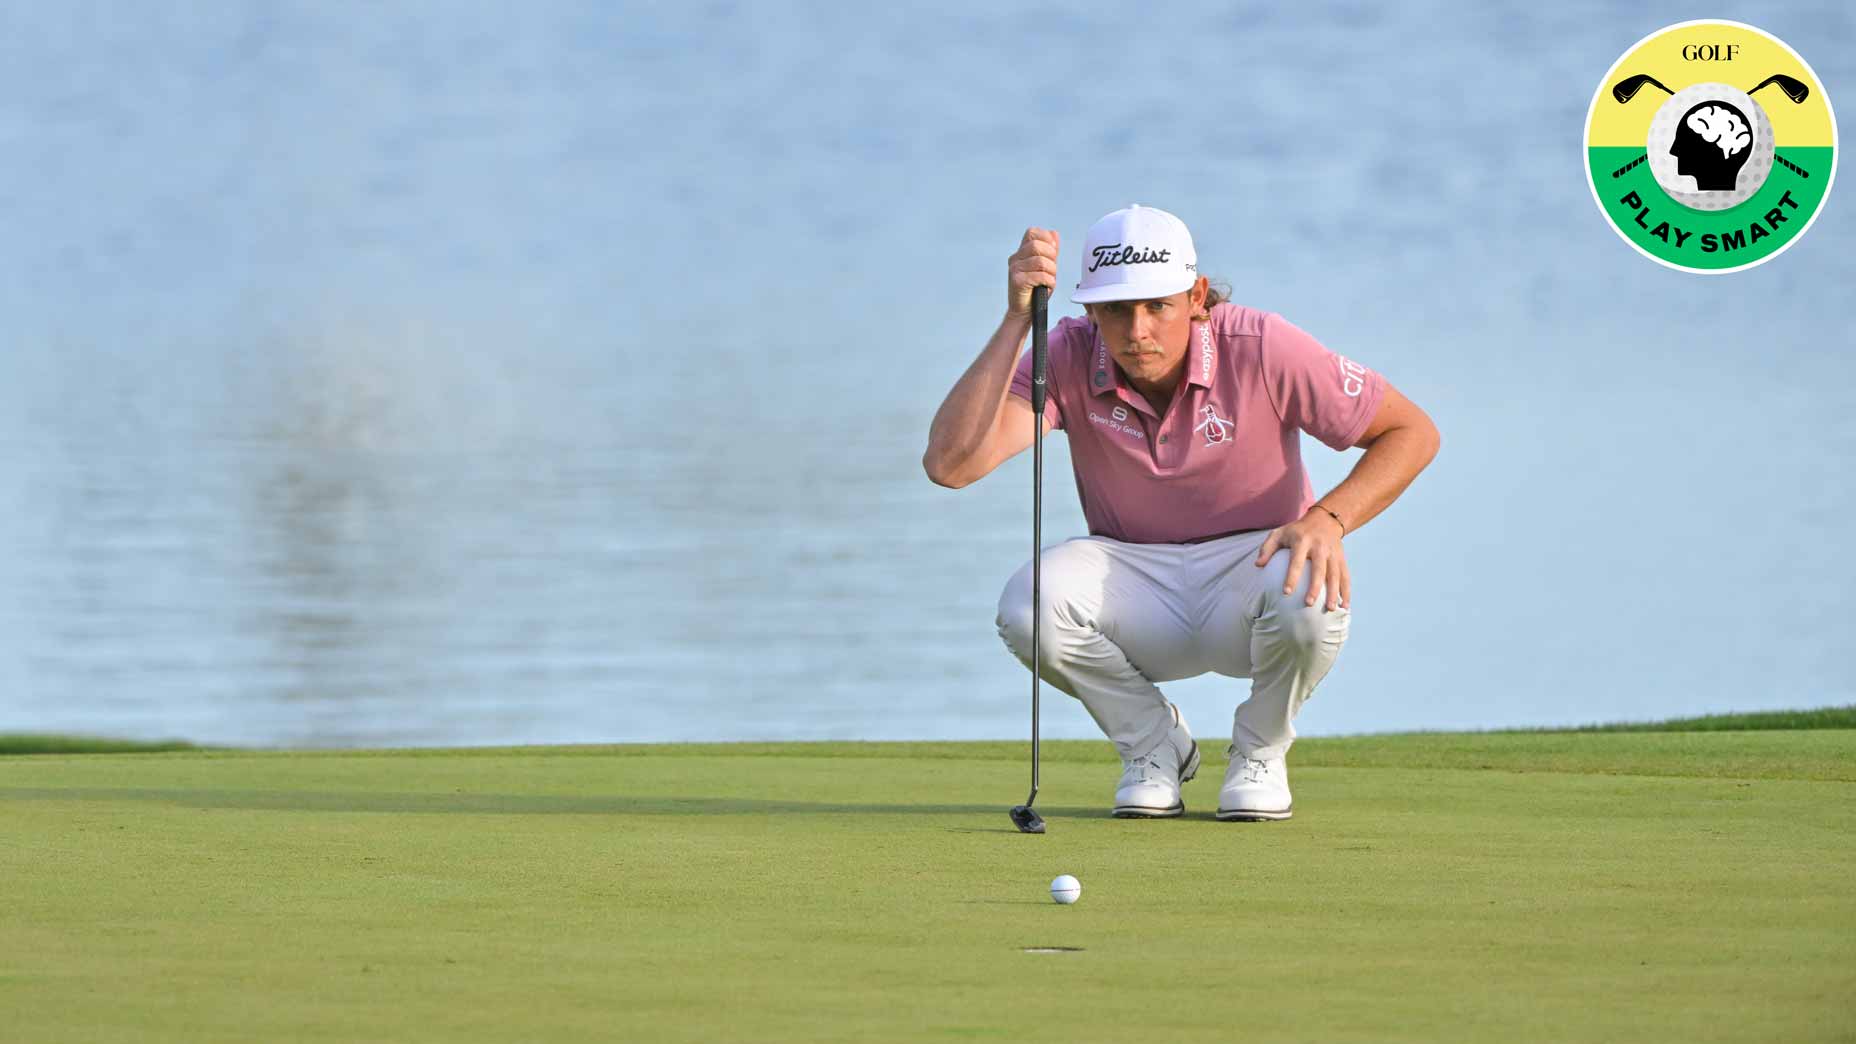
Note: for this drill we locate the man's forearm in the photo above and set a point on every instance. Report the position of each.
(967, 415)
(1383, 473)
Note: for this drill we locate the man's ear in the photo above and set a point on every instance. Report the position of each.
(1196, 298)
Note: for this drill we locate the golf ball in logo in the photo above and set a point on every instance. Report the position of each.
(1710, 146)
(1065, 889)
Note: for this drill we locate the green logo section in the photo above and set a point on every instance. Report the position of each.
(1713, 240)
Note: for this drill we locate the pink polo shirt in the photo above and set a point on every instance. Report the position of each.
(1226, 456)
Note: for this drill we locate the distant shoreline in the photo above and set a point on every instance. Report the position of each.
(1838, 717)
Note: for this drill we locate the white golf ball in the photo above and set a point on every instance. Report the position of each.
(1065, 889)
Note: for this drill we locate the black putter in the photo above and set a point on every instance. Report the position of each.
(1793, 89)
(1797, 92)
(1024, 817)
(1626, 89)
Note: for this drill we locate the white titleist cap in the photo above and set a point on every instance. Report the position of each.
(1136, 254)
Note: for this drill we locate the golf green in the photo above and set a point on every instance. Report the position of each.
(1601, 886)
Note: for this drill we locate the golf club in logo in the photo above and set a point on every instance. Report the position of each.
(1710, 179)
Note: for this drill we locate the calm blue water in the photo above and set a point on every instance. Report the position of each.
(559, 372)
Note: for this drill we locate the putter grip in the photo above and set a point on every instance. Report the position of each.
(1040, 348)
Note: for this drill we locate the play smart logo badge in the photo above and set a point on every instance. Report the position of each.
(1710, 146)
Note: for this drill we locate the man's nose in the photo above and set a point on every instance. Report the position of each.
(1141, 328)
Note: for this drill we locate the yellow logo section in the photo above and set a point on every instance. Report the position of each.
(1725, 52)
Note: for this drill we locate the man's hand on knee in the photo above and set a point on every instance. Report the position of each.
(1314, 540)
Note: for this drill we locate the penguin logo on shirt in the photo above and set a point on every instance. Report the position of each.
(1217, 429)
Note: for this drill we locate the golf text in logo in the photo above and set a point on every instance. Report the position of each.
(1352, 376)
(1710, 146)
(1112, 254)
(1125, 429)
(1217, 429)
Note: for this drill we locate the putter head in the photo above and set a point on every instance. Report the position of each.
(1027, 820)
(1626, 89)
(1793, 89)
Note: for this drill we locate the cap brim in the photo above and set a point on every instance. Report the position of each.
(1131, 291)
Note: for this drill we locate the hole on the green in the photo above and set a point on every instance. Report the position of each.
(1053, 949)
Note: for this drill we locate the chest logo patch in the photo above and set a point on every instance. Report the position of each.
(1217, 429)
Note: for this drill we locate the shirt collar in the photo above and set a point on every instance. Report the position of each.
(1201, 361)
(1104, 375)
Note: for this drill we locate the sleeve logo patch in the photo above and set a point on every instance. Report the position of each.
(1352, 376)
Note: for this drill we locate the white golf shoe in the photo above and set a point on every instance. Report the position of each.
(1254, 790)
(1149, 787)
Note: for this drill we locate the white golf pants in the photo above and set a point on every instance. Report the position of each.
(1118, 617)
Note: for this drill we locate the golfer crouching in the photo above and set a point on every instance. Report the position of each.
(1207, 549)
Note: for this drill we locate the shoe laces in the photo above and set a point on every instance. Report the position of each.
(1253, 770)
(1145, 767)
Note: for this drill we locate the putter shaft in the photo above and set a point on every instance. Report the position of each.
(1040, 364)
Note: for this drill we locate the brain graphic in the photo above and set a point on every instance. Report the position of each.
(1723, 128)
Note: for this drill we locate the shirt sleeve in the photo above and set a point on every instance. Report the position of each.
(1021, 380)
(1324, 394)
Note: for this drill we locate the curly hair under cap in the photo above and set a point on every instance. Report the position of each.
(1217, 292)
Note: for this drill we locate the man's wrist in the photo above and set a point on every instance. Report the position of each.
(1332, 514)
